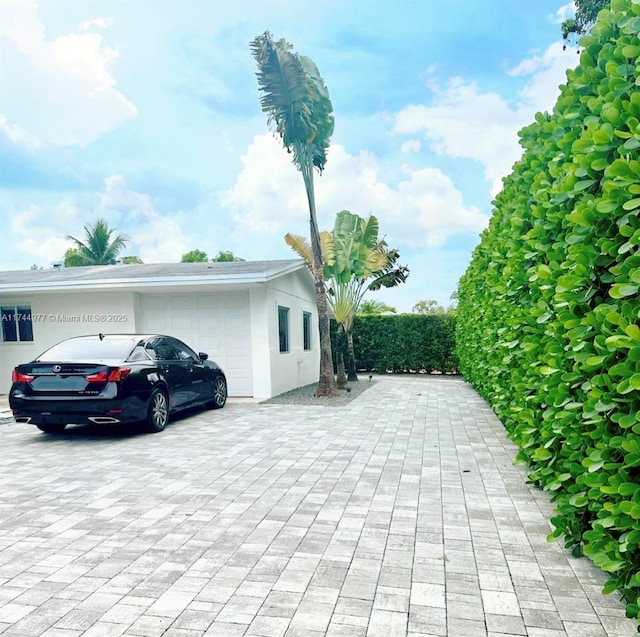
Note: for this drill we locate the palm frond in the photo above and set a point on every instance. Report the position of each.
(390, 279)
(328, 247)
(294, 97)
(369, 229)
(98, 248)
(300, 245)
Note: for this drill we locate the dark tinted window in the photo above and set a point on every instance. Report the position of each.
(9, 324)
(90, 349)
(25, 330)
(16, 323)
(184, 352)
(283, 328)
(139, 354)
(163, 350)
(306, 330)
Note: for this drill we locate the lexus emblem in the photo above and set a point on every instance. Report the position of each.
(56, 368)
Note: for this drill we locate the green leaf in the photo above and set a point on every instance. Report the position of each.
(606, 206)
(620, 290)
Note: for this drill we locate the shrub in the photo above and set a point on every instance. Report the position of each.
(405, 343)
(548, 311)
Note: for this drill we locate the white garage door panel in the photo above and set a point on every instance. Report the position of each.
(217, 324)
(209, 323)
(211, 344)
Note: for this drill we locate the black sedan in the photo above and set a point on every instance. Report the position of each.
(114, 378)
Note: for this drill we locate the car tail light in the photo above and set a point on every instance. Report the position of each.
(119, 373)
(99, 377)
(112, 376)
(19, 377)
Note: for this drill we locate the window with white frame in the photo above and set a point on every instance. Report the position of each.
(16, 323)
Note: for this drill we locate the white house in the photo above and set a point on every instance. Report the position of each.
(256, 319)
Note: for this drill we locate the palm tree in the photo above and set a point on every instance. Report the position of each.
(374, 308)
(295, 97)
(355, 261)
(98, 248)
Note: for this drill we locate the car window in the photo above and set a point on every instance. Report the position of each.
(162, 349)
(90, 347)
(184, 352)
(139, 354)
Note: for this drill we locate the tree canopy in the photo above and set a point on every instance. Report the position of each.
(225, 256)
(431, 308)
(369, 307)
(199, 256)
(101, 246)
(585, 17)
(194, 256)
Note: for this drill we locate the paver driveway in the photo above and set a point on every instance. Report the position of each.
(399, 514)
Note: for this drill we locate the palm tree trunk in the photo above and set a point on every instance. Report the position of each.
(341, 380)
(352, 375)
(326, 380)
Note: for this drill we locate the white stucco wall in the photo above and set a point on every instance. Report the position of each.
(297, 367)
(57, 316)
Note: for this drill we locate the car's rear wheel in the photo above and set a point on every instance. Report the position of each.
(51, 429)
(157, 411)
(219, 394)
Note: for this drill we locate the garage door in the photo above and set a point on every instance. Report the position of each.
(217, 324)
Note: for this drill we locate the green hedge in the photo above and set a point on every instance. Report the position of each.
(405, 343)
(548, 311)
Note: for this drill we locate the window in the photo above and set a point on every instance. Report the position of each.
(183, 352)
(283, 328)
(306, 330)
(162, 350)
(87, 348)
(16, 323)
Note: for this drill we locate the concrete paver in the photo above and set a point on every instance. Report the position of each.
(400, 514)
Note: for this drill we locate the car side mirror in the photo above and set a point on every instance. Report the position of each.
(202, 356)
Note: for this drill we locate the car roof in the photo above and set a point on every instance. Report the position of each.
(119, 336)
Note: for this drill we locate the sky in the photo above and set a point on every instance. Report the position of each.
(146, 113)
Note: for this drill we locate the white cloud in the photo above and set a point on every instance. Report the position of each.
(547, 73)
(118, 196)
(59, 91)
(464, 122)
(411, 146)
(97, 23)
(565, 12)
(268, 197)
(40, 232)
(16, 134)
(155, 238)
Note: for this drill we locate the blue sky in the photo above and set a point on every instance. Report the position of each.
(146, 113)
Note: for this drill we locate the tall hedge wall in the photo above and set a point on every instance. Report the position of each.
(547, 327)
(405, 343)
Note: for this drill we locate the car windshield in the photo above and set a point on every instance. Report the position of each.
(90, 349)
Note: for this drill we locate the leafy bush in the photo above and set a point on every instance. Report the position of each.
(547, 327)
(405, 343)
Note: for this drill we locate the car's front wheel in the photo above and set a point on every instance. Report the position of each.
(157, 411)
(51, 429)
(219, 394)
